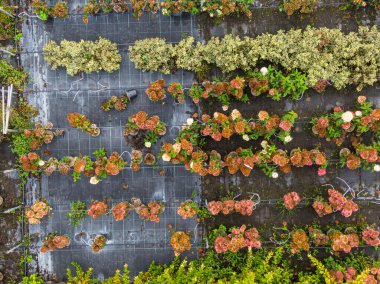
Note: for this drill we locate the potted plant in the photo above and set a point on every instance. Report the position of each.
(98, 243)
(41, 9)
(81, 122)
(37, 211)
(120, 6)
(121, 210)
(156, 90)
(187, 209)
(41, 135)
(339, 124)
(150, 127)
(149, 159)
(105, 166)
(77, 213)
(54, 241)
(31, 162)
(150, 212)
(195, 92)
(136, 160)
(91, 8)
(176, 90)
(97, 208)
(180, 242)
(117, 103)
(59, 10)
(138, 7)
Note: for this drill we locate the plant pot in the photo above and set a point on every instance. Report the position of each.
(95, 129)
(161, 132)
(315, 130)
(82, 236)
(149, 159)
(352, 127)
(344, 152)
(131, 94)
(136, 156)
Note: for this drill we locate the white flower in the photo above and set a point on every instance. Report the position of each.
(94, 180)
(347, 116)
(189, 121)
(264, 144)
(235, 114)
(245, 137)
(288, 138)
(275, 175)
(264, 70)
(191, 165)
(41, 163)
(376, 168)
(225, 108)
(148, 144)
(164, 11)
(166, 157)
(358, 113)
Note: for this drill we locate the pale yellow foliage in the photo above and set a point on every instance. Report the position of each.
(86, 56)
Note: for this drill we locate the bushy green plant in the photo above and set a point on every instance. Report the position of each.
(32, 279)
(277, 84)
(84, 56)
(119, 277)
(77, 213)
(81, 276)
(322, 54)
(152, 54)
(20, 119)
(7, 23)
(10, 75)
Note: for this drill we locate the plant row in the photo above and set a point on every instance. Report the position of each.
(336, 202)
(269, 159)
(78, 210)
(264, 266)
(321, 54)
(188, 150)
(54, 241)
(214, 8)
(342, 239)
(84, 56)
(269, 81)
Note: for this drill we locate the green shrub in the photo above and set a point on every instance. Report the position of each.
(10, 75)
(7, 23)
(86, 56)
(77, 213)
(152, 54)
(32, 279)
(80, 275)
(322, 54)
